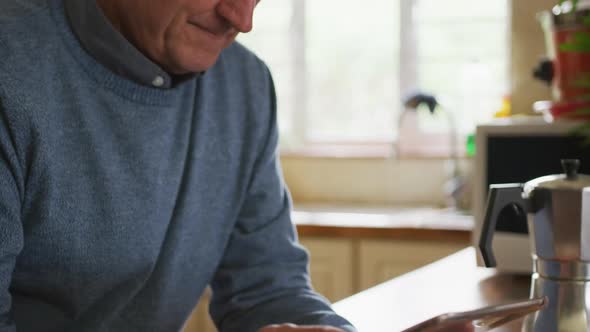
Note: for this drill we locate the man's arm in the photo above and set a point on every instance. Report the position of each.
(263, 278)
(11, 233)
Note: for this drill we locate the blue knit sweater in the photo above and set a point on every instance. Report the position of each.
(119, 203)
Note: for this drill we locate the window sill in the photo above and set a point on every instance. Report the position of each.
(341, 151)
(378, 151)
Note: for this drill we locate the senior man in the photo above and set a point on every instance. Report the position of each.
(137, 166)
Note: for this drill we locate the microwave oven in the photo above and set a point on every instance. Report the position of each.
(516, 151)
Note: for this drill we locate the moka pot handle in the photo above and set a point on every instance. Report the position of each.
(500, 196)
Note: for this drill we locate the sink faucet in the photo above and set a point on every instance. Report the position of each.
(454, 187)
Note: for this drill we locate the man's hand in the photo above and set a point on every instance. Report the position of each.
(295, 328)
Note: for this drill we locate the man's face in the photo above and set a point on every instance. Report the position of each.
(182, 36)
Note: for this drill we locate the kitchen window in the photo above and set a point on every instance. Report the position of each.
(342, 67)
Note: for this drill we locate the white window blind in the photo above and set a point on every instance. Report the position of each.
(341, 67)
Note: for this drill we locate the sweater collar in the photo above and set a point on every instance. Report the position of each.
(109, 47)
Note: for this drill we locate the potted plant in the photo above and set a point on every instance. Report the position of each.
(567, 29)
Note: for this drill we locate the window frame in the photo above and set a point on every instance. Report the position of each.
(408, 77)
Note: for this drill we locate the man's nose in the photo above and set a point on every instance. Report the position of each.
(238, 13)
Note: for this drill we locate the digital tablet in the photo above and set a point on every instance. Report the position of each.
(486, 317)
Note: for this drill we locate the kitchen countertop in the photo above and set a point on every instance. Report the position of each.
(417, 223)
(451, 284)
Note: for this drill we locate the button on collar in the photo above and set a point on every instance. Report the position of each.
(158, 82)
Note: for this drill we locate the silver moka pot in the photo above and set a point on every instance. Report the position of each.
(558, 211)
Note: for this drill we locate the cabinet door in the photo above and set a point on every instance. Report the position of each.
(382, 260)
(199, 321)
(331, 269)
(331, 266)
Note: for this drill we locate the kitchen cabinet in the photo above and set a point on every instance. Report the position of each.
(350, 252)
(199, 321)
(342, 266)
(382, 260)
(332, 266)
(331, 269)
(452, 284)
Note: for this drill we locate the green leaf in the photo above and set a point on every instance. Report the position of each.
(582, 130)
(580, 43)
(582, 37)
(573, 47)
(583, 81)
(574, 3)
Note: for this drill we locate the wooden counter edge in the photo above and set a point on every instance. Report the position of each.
(424, 234)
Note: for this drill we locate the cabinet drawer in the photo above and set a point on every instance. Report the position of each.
(382, 260)
(331, 266)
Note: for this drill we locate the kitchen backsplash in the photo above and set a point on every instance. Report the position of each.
(411, 182)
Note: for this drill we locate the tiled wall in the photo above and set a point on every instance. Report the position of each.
(369, 180)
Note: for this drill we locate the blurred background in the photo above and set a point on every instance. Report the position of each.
(380, 107)
(342, 72)
(342, 69)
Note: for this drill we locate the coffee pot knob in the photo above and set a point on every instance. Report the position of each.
(570, 168)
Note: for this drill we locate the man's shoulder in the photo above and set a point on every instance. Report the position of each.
(238, 57)
(242, 83)
(27, 36)
(13, 12)
(21, 23)
(238, 49)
